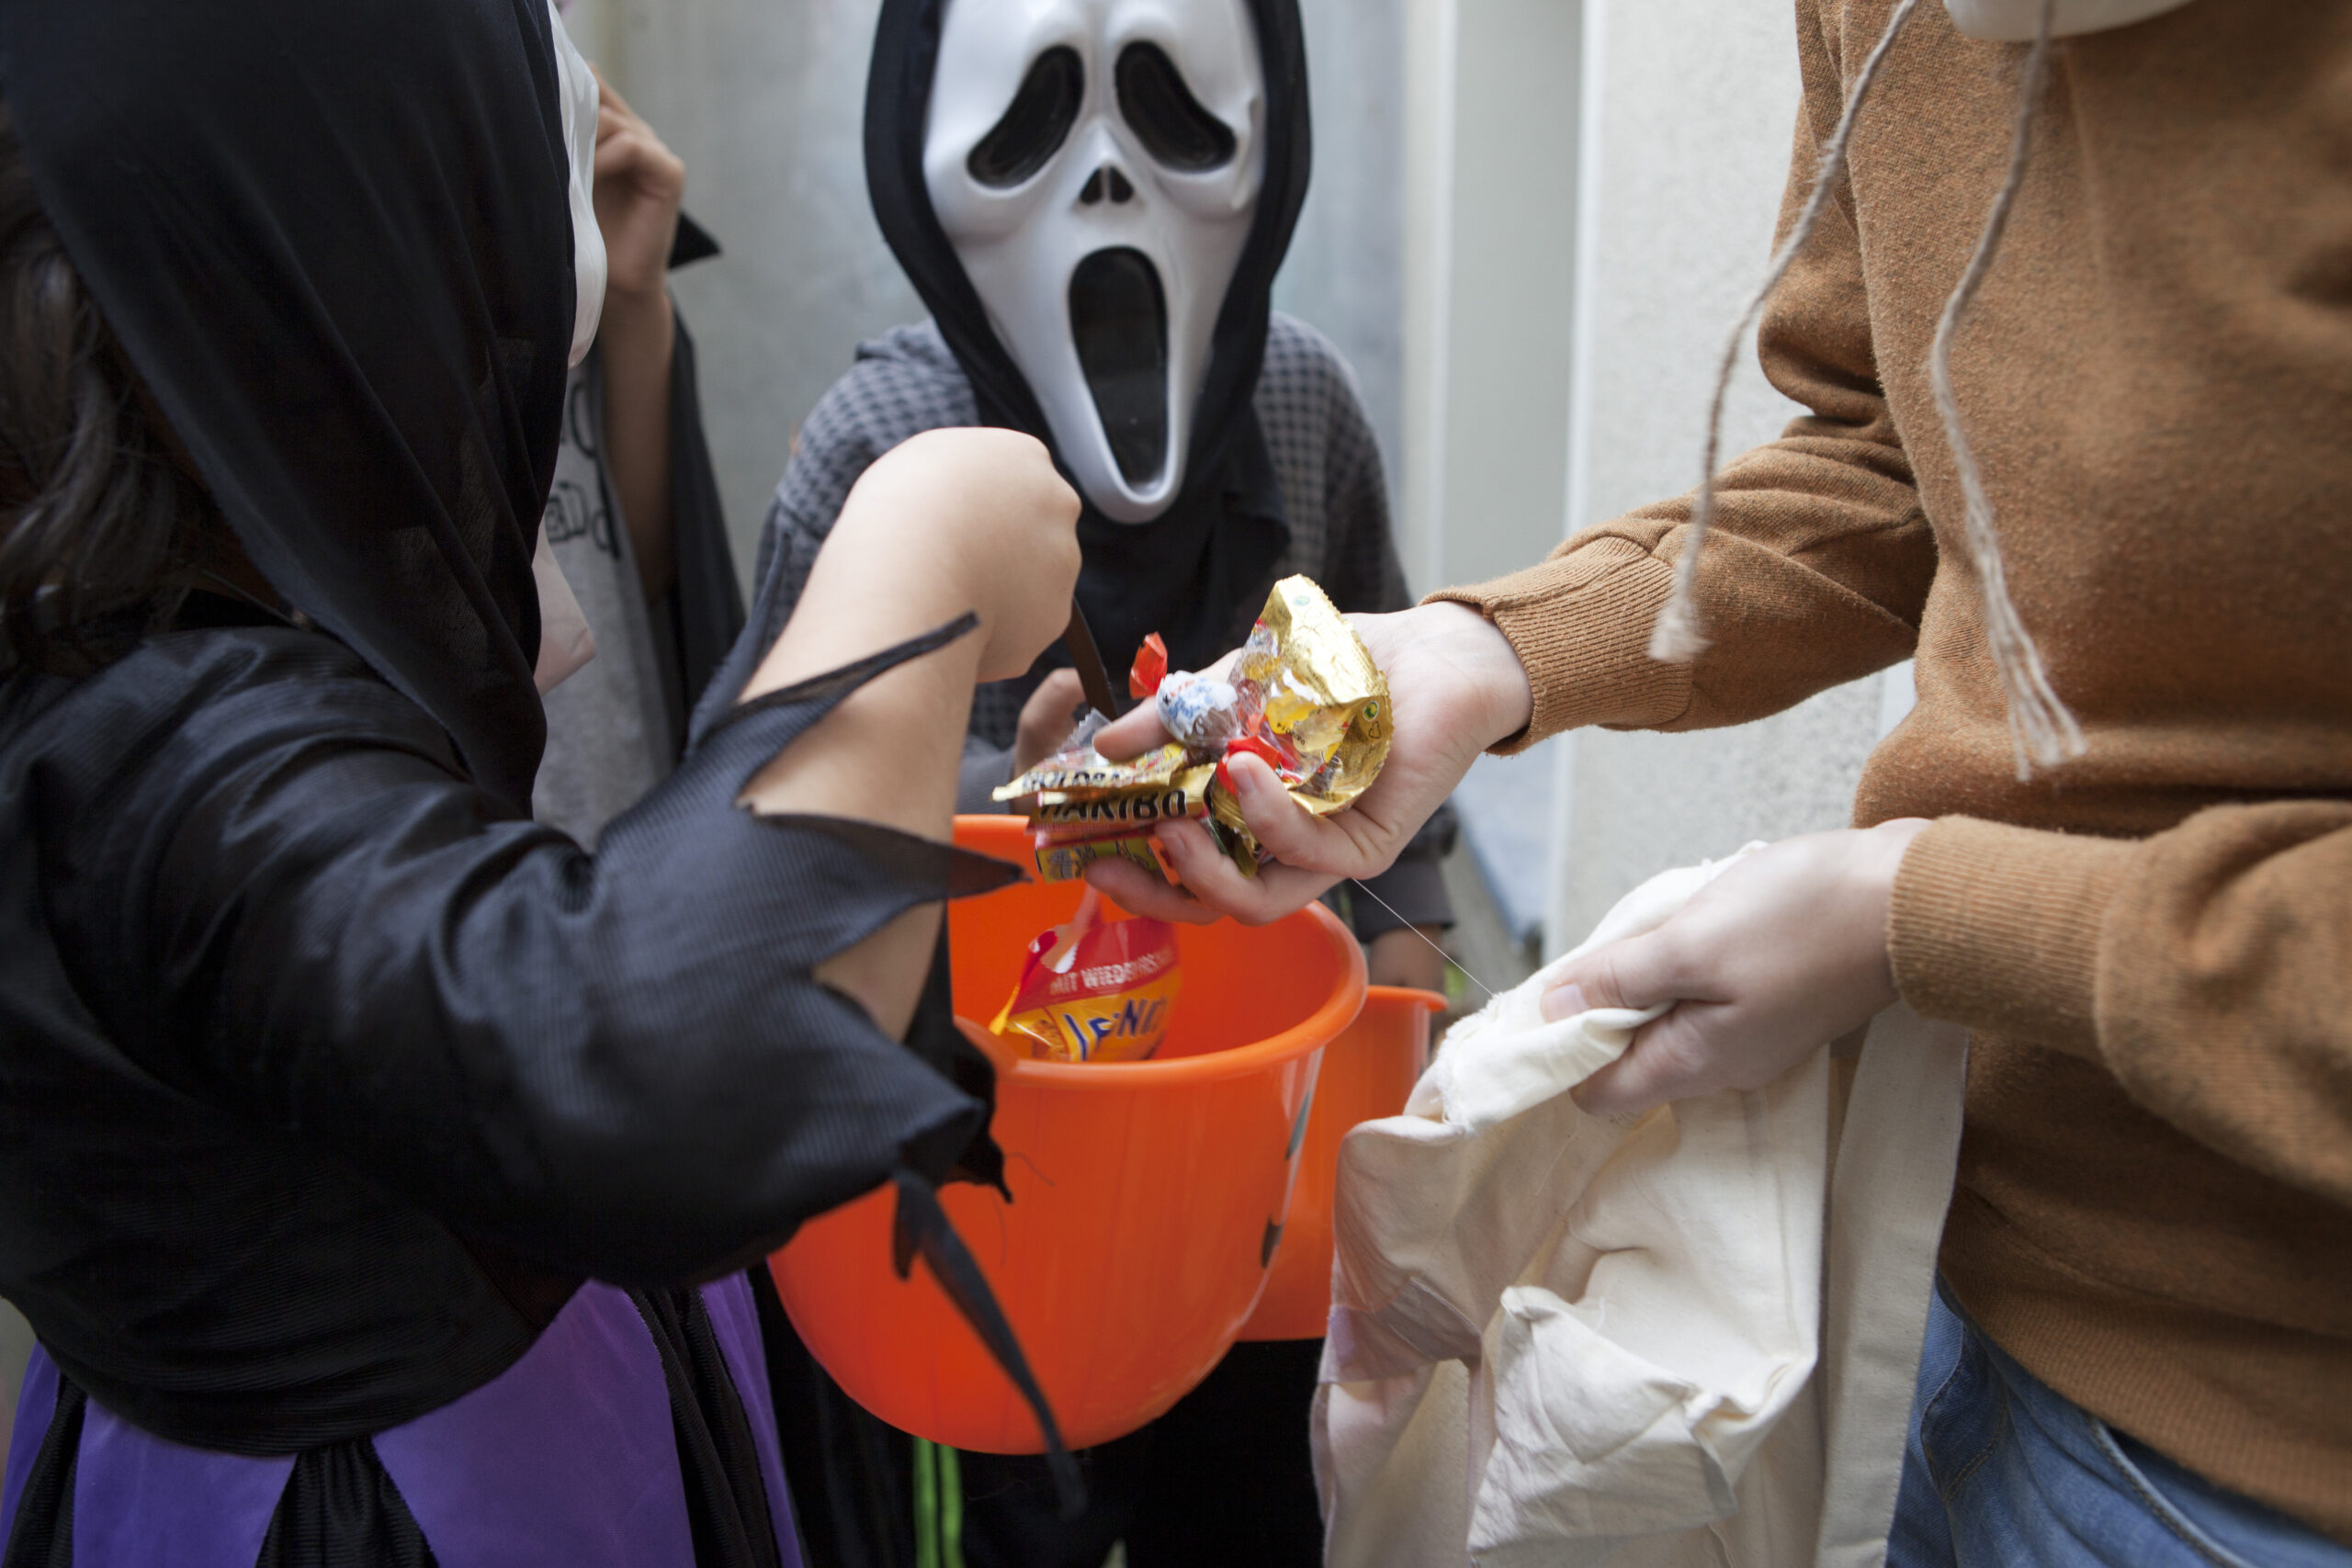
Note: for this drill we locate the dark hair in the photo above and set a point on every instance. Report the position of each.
(96, 519)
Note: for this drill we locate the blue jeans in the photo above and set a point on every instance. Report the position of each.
(2001, 1472)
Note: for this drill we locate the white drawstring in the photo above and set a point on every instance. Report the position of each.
(2042, 729)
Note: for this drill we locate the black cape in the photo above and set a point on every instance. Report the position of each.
(697, 623)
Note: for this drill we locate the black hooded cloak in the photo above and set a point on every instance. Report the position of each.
(325, 1076)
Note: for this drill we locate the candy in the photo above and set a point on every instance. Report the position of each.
(1314, 706)
(1066, 859)
(1095, 992)
(1184, 794)
(1083, 768)
(1202, 712)
(1303, 695)
(1150, 667)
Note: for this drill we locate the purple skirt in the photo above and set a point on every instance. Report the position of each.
(566, 1459)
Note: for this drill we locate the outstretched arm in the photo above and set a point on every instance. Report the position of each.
(1817, 573)
(643, 1063)
(1456, 688)
(890, 752)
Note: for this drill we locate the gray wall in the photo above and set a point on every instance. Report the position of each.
(1344, 273)
(1508, 315)
(763, 100)
(1490, 179)
(1689, 110)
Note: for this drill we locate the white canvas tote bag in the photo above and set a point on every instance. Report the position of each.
(1684, 1337)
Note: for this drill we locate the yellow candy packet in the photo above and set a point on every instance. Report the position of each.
(1095, 992)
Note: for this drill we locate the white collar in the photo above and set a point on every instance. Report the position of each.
(2015, 21)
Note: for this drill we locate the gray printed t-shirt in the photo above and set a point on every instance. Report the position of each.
(609, 725)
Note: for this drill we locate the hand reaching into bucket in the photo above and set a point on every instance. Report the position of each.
(1455, 687)
(1047, 719)
(948, 521)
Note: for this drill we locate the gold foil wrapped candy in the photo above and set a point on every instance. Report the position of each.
(1308, 699)
(1319, 706)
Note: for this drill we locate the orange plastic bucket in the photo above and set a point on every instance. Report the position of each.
(1367, 1072)
(1147, 1196)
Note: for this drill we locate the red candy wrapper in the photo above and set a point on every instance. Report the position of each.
(1150, 667)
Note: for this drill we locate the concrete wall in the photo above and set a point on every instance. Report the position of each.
(1688, 112)
(1345, 271)
(1491, 195)
(763, 100)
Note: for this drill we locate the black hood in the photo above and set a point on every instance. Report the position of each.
(334, 241)
(1188, 572)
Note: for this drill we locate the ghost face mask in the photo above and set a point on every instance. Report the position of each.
(1095, 164)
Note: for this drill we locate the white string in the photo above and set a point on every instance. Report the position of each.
(1416, 931)
(2040, 728)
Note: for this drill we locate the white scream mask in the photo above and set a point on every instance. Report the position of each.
(2016, 21)
(1095, 164)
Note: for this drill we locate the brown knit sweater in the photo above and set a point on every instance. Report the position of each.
(2152, 943)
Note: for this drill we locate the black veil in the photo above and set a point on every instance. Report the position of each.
(295, 241)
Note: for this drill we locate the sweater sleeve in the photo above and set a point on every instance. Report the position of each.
(2204, 967)
(1817, 569)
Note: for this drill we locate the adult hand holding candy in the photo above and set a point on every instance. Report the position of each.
(1456, 688)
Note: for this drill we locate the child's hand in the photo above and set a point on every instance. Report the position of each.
(639, 183)
(1047, 719)
(982, 515)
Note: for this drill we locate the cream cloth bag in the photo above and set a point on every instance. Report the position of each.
(1684, 1337)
